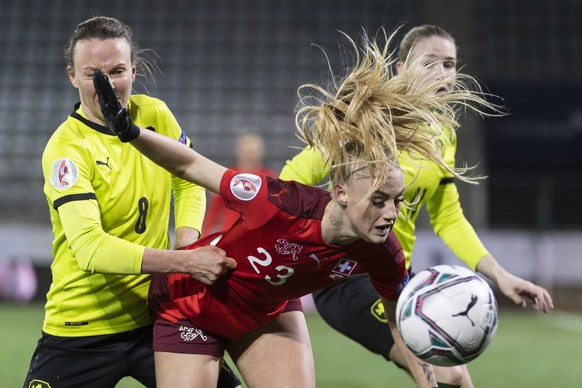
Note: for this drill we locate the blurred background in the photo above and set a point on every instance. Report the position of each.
(231, 66)
(228, 66)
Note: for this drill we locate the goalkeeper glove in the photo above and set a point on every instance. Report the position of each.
(116, 117)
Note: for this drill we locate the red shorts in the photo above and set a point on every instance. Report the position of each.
(184, 337)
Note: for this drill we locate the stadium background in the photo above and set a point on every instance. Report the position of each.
(231, 65)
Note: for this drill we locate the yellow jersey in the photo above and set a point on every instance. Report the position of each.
(107, 202)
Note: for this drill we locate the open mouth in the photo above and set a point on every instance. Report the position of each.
(386, 228)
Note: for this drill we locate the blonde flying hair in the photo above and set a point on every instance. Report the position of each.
(370, 115)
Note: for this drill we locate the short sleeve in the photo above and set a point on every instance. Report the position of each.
(246, 194)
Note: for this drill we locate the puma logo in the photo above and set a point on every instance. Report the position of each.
(317, 259)
(106, 163)
(469, 307)
(279, 194)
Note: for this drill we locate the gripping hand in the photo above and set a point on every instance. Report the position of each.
(116, 117)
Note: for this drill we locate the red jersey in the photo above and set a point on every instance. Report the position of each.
(281, 255)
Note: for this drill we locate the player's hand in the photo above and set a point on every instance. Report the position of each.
(116, 116)
(207, 264)
(520, 290)
(515, 288)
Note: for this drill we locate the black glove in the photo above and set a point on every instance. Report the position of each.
(116, 117)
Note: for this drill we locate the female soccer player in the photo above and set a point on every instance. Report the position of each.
(110, 208)
(292, 239)
(352, 306)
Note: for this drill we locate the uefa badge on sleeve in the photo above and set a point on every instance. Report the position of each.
(245, 186)
(64, 174)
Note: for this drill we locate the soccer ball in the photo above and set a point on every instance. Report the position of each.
(447, 315)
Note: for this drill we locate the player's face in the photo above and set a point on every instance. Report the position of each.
(250, 151)
(439, 57)
(372, 219)
(113, 57)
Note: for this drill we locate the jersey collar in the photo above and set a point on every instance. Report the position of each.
(98, 127)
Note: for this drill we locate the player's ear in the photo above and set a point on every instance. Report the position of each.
(71, 73)
(399, 66)
(340, 194)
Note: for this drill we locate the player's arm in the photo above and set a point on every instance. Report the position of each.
(446, 214)
(189, 208)
(170, 154)
(179, 160)
(515, 288)
(93, 248)
(189, 199)
(451, 225)
(185, 236)
(97, 251)
(205, 263)
(422, 372)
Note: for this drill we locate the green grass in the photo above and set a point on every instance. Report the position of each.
(529, 350)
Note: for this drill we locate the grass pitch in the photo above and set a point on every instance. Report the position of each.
(529, 350)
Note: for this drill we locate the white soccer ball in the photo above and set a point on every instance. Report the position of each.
(447, 315)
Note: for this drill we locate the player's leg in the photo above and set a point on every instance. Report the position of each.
(227, 378)
(277, 355)
(186, 370)
(185, 355)
(96, 361)
(140, 361)
(447, 377)
(353, 308)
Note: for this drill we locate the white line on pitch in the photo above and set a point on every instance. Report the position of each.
(565, 320)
